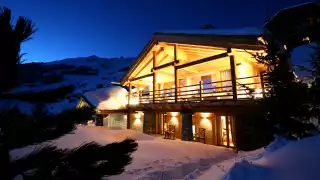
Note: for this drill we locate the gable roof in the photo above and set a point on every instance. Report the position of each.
(242, 38)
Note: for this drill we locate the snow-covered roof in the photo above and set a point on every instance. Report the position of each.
(247, 31)
(110, 98)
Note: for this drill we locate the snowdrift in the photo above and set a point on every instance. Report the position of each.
(296, 160)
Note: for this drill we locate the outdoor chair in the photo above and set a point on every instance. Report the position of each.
(170, 133)
(201, 135)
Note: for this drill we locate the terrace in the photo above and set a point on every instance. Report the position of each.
(246, 88)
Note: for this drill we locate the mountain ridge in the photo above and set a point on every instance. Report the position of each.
(84, 73)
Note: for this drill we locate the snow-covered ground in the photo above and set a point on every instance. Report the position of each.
(155, 158)
(280, 160)
(174, 159)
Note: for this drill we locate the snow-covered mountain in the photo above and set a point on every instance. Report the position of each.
(85, 73)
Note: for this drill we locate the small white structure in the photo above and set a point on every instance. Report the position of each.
(110, 105)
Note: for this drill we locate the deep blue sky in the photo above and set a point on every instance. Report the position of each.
(113, 28)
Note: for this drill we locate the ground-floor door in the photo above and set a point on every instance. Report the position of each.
(161, 122)
(226, 131)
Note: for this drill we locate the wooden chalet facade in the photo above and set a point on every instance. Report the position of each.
(195, 80)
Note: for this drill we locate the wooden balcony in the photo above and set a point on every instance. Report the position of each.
(246, 88)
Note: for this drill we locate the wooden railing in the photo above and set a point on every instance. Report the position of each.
(246, 88)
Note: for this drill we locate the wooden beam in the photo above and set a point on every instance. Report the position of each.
(175, 74)
(207, 59)
(233, 77)
(149, 61)
(184, 46)
(113, 111)
(129, 96)
(162, 59)
(154, 79)
(203, 52)
(141, 77)
(163, 66)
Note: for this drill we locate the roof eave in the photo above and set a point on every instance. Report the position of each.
(211, 35)
(142, 54)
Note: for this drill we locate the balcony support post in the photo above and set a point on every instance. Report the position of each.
(175, 74)
(154, 79)
(233, 77)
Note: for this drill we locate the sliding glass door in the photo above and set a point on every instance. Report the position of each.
(226, 131)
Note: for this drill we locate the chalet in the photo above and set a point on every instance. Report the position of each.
(192, 85)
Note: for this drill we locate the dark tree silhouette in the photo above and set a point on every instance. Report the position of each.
(18, 130)
(88, 161)
(289, 102)
(11, 37)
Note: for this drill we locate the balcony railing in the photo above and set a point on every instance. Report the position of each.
(246, 88)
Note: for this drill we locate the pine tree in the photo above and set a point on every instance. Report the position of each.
(11, 37)
(288, 102)
(314, 80)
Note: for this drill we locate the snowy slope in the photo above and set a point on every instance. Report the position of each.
(85, 73)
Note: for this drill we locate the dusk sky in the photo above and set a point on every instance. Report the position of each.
(114, 28)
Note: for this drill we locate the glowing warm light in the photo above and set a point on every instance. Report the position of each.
(137, 115)
(174, 114)
(193, 129)
(258, 90)
(258, 93)
(137, 122)
(174, 120)
(181, 55)
(243, 70)
(206, 123)
(224, 132)
(205, 115)
(134, 100)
